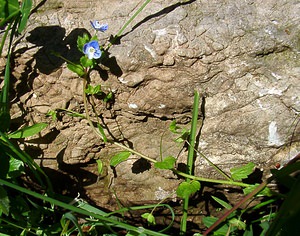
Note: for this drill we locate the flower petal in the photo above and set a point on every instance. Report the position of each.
(98, 26)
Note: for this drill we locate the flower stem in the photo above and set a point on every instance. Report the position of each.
(127, 23)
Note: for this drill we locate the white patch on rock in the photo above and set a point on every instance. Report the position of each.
(132, 105)
(271, 91)
(161, 194)
(122, 80)
(160, 32)
(274, 138)
(161, 106)
(151, 51)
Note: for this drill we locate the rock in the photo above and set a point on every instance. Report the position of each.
(242, 56)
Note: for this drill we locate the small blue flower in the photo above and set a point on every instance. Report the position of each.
(92, 50)
(100, 27)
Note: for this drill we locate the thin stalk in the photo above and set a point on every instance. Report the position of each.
(213, 165)
(190, 160)
(127, 23)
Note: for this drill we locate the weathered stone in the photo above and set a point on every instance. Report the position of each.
(243, 56)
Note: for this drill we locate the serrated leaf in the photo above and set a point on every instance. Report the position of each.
(4, 201)
(76, 69)
(185, 189)
(100, 166)
(93, 90)
(118, 158)
(16, 167)
(237, 223)
(28, 131)
(150, 218)
(265, 192)
(239, 173)
(167, 164)
(222, 203)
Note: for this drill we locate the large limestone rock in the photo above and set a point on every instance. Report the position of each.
(242, 56)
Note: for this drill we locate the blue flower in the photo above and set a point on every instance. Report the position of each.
(97, 26)
(92, 50)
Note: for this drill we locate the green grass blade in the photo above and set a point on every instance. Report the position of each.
(70, 207)
(190, 160)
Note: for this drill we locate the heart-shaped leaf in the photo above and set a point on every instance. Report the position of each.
(167, 164)
(239, 173)
(185, 189)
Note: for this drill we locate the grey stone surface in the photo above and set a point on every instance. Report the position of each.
(242, 55)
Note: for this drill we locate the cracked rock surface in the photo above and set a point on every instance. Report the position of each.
(242, 56)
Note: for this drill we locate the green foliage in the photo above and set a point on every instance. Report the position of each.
(78, 69)
(185, 189)
(150, 218)
(100, 166)
(81, 41)
(183, 133)
(4, 202)
(101, 130)
(28, 131)
(93, 90)
(222, 203)
(265, 192)
(119, 157)
(239, 173)
(167, 164)
(25, 11)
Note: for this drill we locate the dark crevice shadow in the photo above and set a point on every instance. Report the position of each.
(162, 12)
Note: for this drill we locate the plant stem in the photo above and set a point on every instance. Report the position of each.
(190, 161)
(127, 23)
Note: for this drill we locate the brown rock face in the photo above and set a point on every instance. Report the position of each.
(242, 55)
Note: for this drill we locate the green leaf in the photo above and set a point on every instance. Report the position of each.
(239, 173)
(28, 131)
(167, 164)
(185, 189)
(118, 158)
(71, 217)
(222, 203)
(100, 166)
(78, 69)
(265, 192)
(173, 127)
(109, 97)
(53, 114)
(209, 221)
(81, 41)
(93, 90)
(16, 168)
(5, 120)
(25, 10)
(8, 9)
(150, 218)
(4, 201)
(86, 62)
(237, 223)
(101, 130)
